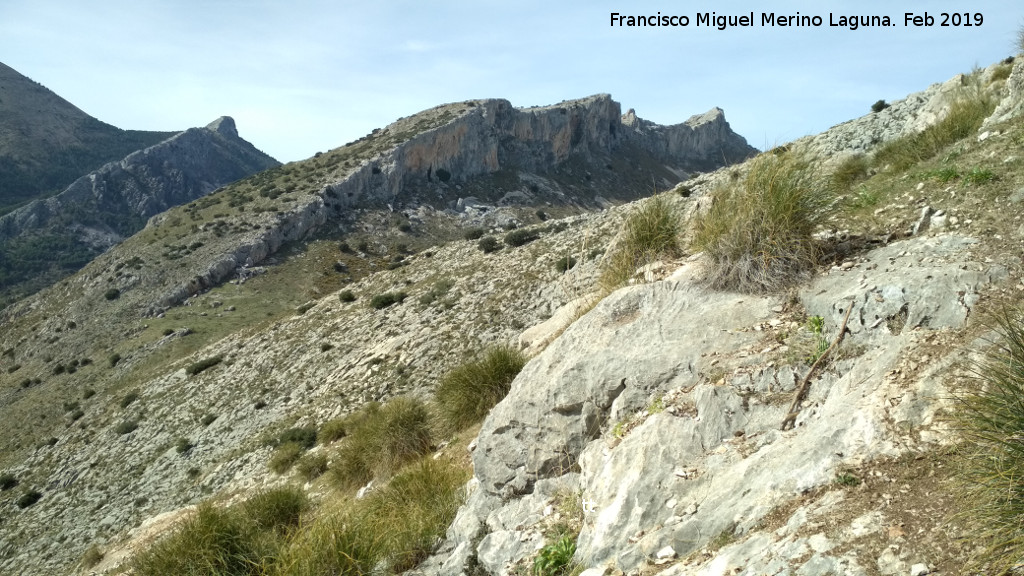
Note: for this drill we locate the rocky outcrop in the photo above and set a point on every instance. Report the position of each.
(702, 143)
(694, 384)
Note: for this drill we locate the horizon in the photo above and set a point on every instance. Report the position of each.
(309, 77)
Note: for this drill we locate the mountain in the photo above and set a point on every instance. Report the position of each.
(46, 143)
(46, 239)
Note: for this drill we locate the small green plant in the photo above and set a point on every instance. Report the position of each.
(284, 456)
(619, 430)
(945, 174)
(311, 466)
(381, 301)
(347, 296)
(474, 234)
(184, 445)
(520, 237)
(850, 171)
(304, 308)
(553, 559)
(126, 427)
(467, 393)
(204, 364)
(7, 481)
(112, 294)
(847, 479)
(332, 431)
(113, 360)
(879, 106)
(757, 235)
(488, 244)
(129, 398)
(978, 176)
(305, 436)
(657, 406)
(564, 264)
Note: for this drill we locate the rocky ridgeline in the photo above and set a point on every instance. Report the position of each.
(101, 207)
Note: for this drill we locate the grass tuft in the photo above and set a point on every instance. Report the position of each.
(382, 439)
(650, 232)
(757, 233)
(990, 420)
(467, 393)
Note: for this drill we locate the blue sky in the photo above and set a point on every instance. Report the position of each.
(310, 75)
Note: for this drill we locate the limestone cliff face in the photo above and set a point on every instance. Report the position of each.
(492, 135)
(113, 202)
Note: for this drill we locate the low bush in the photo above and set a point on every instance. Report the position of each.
(989, 419)
(649, 233)
(757, 235)
(207, 419)
(7, 481)
(184, 445)
(126, 427)
(112, 294)
(474, 234)
(520, 237)
(304, 436)
(381, 439)
(311, 466)
(113, 360)
(488, 244)
(879, 106)
(284, 456)
(29, 498)
(129, 398)
(276, 509)
(467, 393)
(204, 364)
(332, 431)
(381, 301)
(347, 296)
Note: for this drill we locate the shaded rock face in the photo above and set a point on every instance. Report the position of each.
(693, 371)
(118, 198)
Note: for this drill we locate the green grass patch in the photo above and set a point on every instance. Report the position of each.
(382, 439)
(757, 233)
(467, 393)
(965, 116)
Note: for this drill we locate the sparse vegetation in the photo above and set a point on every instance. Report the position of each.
(184, 445)
(474, 234)
(311, 466)
(757, 233)
(564, 264)
(112, 294)
(381, 439)
(466, 394)
(553, 559)
(129, 398)
(7, 481)
(850, 171)
(305, 436)
(29, 498)
(964, 118)
(347, 296)
(126, 427)
(520, 237)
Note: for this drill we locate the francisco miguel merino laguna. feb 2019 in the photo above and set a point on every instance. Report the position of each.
(771, 19)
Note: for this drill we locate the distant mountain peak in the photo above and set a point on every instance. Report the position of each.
(224, 125)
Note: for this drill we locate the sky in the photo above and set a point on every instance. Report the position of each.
(305, 76)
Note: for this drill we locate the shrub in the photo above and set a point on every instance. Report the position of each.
(29, 498)
(168, 331)
(207, 419)
(204, 364)
(520, 237)
(305, 436)
(879, 106)
(113, 360)
(990, 418)
(347, 296)
(284, 456)
(126, 427)
(467, 393)
(757, 234)
(332, 431)
(488, 244)
(311, 466)
(565, 263)
(851, 170)
(650, 232)
(474, 234)
(184, 445)
(7, 481)
(304, 308)
(965, 116)
(112, 294)
(88, 393)
(129, 398)
(381, 301)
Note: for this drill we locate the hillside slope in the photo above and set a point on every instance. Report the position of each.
(113, 346)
